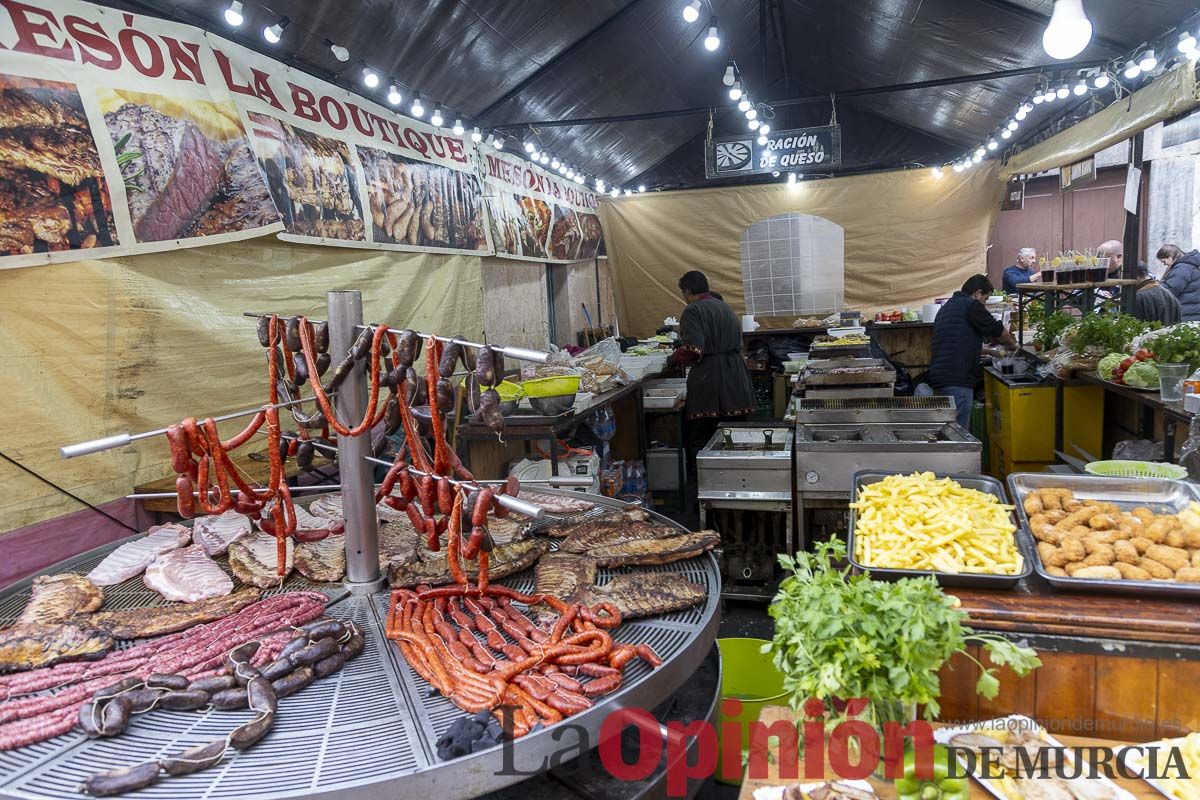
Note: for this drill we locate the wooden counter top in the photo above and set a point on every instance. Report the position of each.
(887, 791)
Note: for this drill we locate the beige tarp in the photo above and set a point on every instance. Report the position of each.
(1169, 96)
(95, 348)
(909, 237)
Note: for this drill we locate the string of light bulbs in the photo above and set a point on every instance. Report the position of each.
(234, 15)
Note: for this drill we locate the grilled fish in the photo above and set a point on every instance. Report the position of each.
(643, 595)
(323, 561)
(506, 559)
(57, 598)
(254, 560)
(215, 533)
(655, 551)
(132, 558)
(25, 647)
(187, 575)
(142, 623)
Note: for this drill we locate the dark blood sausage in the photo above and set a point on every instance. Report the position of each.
(406, 348)
(194, 759)
(241, 655)
(391, 416)
(120, 781)
(362, 345)
(321, 337)
(445, 395)
(290, 684)
(498, 365)
(324, 628)
(261, 696)
(89, 720)
(340, 374)
(161, 680)
(189, 700)
(294, 646)
(264, 331)
(489, 411)
(315, 652)
(291, 334)
(214, 684)
(323, 362)
(277, 668)
(353, 646)
(244, 674)
(230, 699)
(485, 366)
(300, 368)
(141, 700)
(305, 453)
(450, 356)
(247, 735)
(328, 666)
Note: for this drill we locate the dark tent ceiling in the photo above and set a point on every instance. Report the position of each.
(498, 62)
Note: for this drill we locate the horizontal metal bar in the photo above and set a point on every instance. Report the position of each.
(511, 503)
(318, 487)
(122, 439)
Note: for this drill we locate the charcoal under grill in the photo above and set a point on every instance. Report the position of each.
(365, 733)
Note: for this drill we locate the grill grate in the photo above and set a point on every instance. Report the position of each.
(368, 731)
(875, 409)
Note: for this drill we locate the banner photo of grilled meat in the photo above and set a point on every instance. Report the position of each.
(416, 203)
(537, 215)
(53, 194)
(310, 177)
(185, 165)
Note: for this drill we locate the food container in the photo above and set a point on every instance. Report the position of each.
(838, 333)
(1048, 275)
(1096, 274)
(1160, 495)
(1170, 382)
(1062, 277)
(556, 385)
(978, 580)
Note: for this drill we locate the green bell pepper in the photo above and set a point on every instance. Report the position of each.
(939, 787)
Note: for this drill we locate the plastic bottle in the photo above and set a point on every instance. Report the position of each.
(1192, 384)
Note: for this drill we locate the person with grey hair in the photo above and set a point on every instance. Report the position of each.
(1024, 271)
(1114, 251)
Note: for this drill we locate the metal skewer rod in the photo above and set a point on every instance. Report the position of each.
(511, 503)
(122, 439)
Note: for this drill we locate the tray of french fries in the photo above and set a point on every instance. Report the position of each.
(1112, 535)
(1165, 776)
(958, 528)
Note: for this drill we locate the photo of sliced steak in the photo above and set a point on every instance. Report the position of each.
(181, 168)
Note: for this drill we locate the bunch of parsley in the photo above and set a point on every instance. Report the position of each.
(839, 635)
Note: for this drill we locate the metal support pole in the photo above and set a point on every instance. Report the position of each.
(358, 485)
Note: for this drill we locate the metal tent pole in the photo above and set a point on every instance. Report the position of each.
(358, 485)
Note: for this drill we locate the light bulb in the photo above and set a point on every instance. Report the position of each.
(1063, 92)
(417, 109)
(713, 40)
(1038, 99)
(752, 113)
(476, 136)
(765, 129)
(754, 124)
(545, 159)
(642, 188)
(274, 33)
(958, 167)
(1187, 42)
(791, 179)
(339, 52)
(691, 12)
(1080, 88)
(233, 15)
(562, 169)
(1101, 80)
(1021, 114)
(992, 144)
(1026, 107)
(628, 193)
(1069, 30)
(744, 105)
(762, 139)
(979, 152)
(530, 147)
(1148, 62)
(437, 118)
(937, 172)
(599, 185)
(976, 158)
(1132, 70)
(393, 95)
(554, 163)
(458, 127)
(579, 177)
(735, 91)
(535, 155)
(615, 193)
(570, 174)
(729, 77)
(1013, 125)
(498, 143)
(370, 79)
(1006, 134)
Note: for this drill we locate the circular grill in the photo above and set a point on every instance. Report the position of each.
(368, 731)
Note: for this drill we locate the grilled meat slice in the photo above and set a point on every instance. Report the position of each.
(187, 575)
(329, 506)
(216, 532)
(37, 108)
(254, 559)
(644, 595)
(655, 551)
(563, 575)
(399, 542)
(142, 623)
(628, 526)
(557, 504)
(68, 154)
(242, 200)
(323, 561)
(57, 598)
(25, 647)
(132, 558)
(506, 560)
(507, 530)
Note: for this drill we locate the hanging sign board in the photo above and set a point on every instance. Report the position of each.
(1077, 174)
(785, 151)
(536, 215)
(1014, 196)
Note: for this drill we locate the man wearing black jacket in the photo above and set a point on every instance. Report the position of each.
(958, 333)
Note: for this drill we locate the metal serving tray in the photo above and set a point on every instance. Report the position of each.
(1160, 495)
(975, 580)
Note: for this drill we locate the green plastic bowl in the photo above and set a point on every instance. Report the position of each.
(509, 392)
(748, 675)
(555, 386)
(1136, 469)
